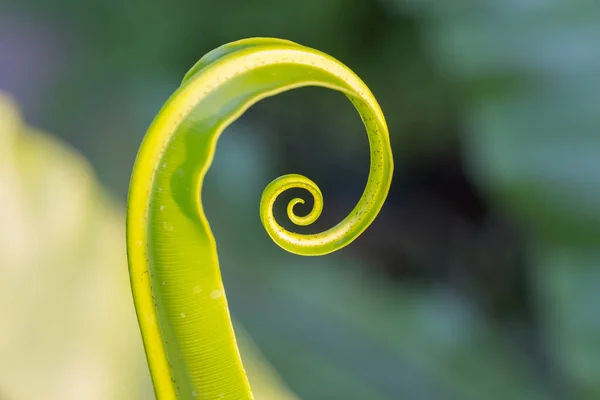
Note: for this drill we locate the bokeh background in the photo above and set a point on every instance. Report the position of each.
(480, 279)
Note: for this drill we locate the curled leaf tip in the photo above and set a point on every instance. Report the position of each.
(173, 264)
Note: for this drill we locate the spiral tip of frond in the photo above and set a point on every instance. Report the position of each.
(295, 218)
(293, 181)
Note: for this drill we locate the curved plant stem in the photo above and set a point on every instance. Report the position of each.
(174, 269)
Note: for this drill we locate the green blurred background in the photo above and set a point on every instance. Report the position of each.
(480, 279)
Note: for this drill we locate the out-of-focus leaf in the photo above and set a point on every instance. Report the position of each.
(529, 71)
(68, 324)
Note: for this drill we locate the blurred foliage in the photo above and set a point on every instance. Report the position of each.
(480, 278)
(529, 76)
